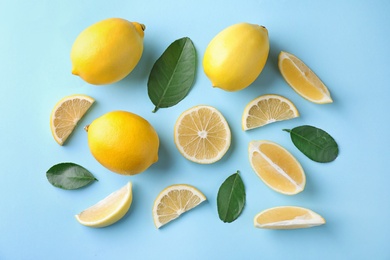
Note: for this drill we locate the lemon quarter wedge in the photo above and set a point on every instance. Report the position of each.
(66, 114)
(109, 210)
(287, 217)
(276, 167)
(302, 79)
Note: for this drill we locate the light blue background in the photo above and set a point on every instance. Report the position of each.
(345, 42)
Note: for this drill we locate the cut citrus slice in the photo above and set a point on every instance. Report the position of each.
(287, 217)
(202, 134)
(174, 201)
(267, 109)
(302, 79)
(66, 114)
(109, 210)
(276, 167)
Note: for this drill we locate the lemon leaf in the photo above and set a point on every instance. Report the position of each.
(173, 74)
(315, 143)
(231, 198)
(69, 176)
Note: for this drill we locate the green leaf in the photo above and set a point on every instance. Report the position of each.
(231, 198)
(69, 176)
(173, 74)
(315, 143)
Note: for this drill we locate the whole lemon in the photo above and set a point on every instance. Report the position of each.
(107, 51)
(123, 142)
(236, 56)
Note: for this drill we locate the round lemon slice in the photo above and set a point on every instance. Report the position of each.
(276, 167)
(267, 109)
(109, 210)
(202, 134)
(287, 217)
(174, 201)
(66, 114)
(302, 79)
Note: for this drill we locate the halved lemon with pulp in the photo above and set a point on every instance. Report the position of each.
(109, 210)
(276, 167)
(66, 114)
(267, 109)
(174, 201)
(202, 134)
(287, 217)
(302, 79)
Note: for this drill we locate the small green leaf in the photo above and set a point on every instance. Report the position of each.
(231, 198)
(173, 74)
(315, 143)
(69, 176)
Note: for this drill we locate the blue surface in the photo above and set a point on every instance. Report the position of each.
(345, 42)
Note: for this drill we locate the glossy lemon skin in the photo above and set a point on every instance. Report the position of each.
(107, 51)
(123, 142)
(236, 56)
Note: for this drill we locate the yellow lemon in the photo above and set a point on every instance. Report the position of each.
(236, 56)
(123, 142)
(107, 51)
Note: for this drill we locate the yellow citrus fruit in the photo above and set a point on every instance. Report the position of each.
(174, 201)
(267, 109)
(109, 210)
(302, 79)
(123, 142)
(66, 114)
(202, 134)
(287, 217)
(276, 167)
(236, 56)
(107, 51)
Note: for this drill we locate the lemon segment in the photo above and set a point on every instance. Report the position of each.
(267, 109)
(287, 217)
(66, 114)
(276, 167)
(235, 57)
(107, 51)
(202, 134)
(123, 142)
(174, 201)
(302, 79)
(109, 210)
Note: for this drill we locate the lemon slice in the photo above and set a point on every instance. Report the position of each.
(267, 109)
(276, 167)
(174, 201)
(109, 210)
(287, 217)
(202, 134)
(302, 79)
(66, 114)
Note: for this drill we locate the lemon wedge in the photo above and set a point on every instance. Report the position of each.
(302, 79)
(174, 201)
(276, 167)
(288, 217)
(267, 109)
(66, 114)
(109, 210)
